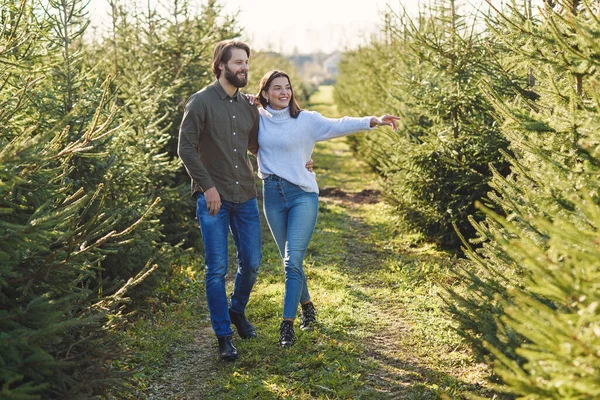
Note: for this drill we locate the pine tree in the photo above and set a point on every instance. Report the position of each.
(139, 161)
(533, 306)
(437, 165)
(56, 316)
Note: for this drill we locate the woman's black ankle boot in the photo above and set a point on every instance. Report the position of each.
(309, 316)
(286, 333)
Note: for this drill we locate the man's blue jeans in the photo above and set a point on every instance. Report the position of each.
(292, 215)
(242, 219)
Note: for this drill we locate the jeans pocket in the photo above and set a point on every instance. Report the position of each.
(270, 180)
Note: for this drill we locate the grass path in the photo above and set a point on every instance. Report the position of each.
(382, 332)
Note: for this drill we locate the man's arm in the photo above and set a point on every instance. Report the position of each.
(253, 137)
(190, 132)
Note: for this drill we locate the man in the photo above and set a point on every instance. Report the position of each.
(219, 126)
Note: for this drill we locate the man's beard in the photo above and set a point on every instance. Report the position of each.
(235, 79)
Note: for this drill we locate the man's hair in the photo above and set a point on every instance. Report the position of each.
(223, 53)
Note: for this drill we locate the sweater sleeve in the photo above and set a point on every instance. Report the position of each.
(323, 128)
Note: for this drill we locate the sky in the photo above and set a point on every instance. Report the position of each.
(310, 25)
(302, 26)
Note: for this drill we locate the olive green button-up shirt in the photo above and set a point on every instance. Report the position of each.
(215, 135)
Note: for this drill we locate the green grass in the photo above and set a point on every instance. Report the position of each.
(322, 101)
(336, 166)
(382, 331)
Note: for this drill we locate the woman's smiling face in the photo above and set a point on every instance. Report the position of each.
(279, 93)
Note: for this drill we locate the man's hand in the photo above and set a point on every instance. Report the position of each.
(213, 201)
(252, 99)
(309, 165)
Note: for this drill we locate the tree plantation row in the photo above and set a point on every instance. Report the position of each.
(497, 159)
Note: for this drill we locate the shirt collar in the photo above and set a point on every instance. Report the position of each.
(223, 94)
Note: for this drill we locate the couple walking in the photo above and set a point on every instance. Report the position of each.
(219, 127)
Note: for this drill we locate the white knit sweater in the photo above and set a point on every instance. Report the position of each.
(285, 144)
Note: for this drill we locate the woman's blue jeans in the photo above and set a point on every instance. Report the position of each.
(292, 215)
(243, 220)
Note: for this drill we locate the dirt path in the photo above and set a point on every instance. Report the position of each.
(195, 365)
(189, 369)
(393, 356)
(405, 370)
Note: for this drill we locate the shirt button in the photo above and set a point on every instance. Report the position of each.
(231, 101)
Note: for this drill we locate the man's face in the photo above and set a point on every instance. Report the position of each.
(236, 69)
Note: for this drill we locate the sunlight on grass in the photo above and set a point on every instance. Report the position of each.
(335, 166)
(322, 102)
(323, 96)
(381, 330)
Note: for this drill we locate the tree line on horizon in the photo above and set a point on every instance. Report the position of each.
(497, 158)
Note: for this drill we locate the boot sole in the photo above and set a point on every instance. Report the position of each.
(230, 358)
(252, 335)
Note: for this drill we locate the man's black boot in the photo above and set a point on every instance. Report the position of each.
(227, 350)
(243, 326)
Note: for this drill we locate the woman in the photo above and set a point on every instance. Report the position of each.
(286, 138)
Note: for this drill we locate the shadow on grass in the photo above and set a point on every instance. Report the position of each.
(363, 346)
(356, 351)
(344, 243)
